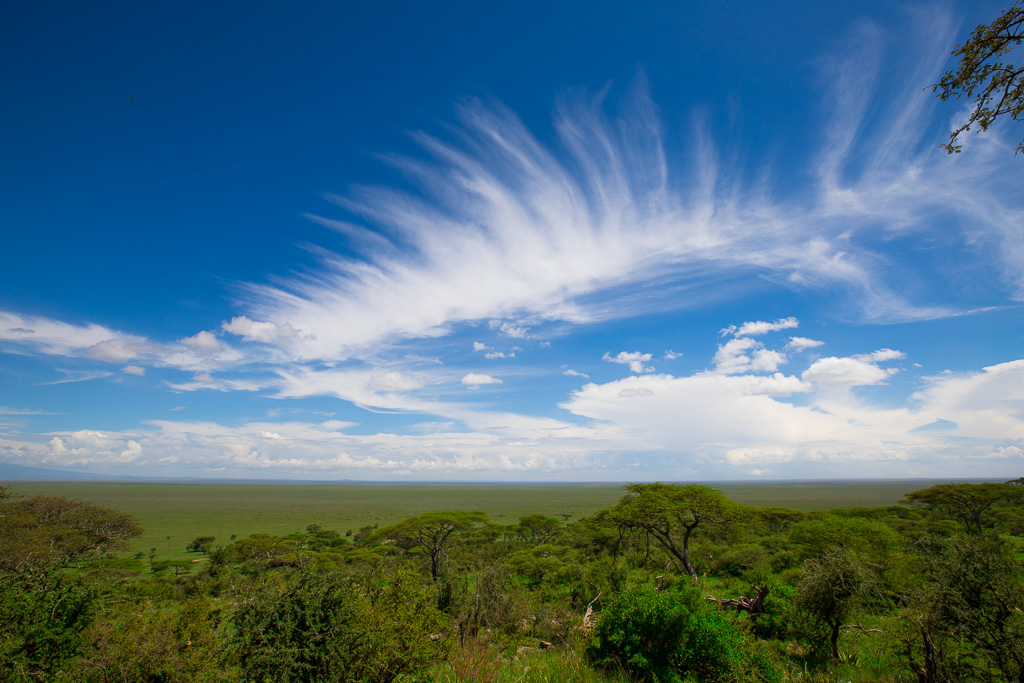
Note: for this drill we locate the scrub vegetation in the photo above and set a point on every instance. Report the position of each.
(665, 583)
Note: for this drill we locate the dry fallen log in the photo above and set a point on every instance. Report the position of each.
(589, 621)
(753, 606)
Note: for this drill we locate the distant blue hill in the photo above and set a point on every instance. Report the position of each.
(12, 472)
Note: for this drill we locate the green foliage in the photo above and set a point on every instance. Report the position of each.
(42, 615)
(814, 537)
(967, 621)
(477, 662)
(831, 589)
(971, 504)
(300, 628)
(403, 632)
(996, 87)
(315, 625)
(434, 533)
(676, 636)
(538, 527)
(48, 531)
(494, 601)
(262, 551)
(182, 511)
(775, 520)
(775, 623)
(201, 544)
(173, 567)
(663, 510)
(171, 645)
(741, 560)
(546, 563)
(510, 600)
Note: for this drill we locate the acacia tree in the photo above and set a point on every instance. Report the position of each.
(537, 527)
(42, 609)
(201, 544)
(996, 87)
(435, 533)
(968, 503)
(663, 510)
(965, 621)
(45, 531)
(831, 588)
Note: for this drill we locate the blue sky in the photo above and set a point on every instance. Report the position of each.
(537, 241)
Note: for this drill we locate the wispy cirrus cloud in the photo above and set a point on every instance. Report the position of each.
(54, 337)
(503, 228)
(202, 352)
(70, 376)
(499, 227)
(7, 410)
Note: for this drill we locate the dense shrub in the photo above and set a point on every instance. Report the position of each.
(176, 643)
(41, 621)
(315, 625)
(676, 636)
(298, 629)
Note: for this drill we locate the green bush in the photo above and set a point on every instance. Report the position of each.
(316, 625)
(175, 643)
(677, 636)
(298, 629)
(41, 621)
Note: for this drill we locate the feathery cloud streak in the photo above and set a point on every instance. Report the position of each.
(503, 227)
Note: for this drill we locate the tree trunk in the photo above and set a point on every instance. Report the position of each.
(435, 564)
(686, 550)
(931, 671)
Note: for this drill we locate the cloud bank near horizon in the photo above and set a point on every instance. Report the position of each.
(753, 422)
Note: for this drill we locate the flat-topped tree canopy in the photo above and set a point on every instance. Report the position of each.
(969, 503)
(435, 532)
(53, 530)
(661, 510)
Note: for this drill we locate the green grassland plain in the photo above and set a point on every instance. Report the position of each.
(173, 514)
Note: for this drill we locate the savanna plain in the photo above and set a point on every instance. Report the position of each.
(662, 582)
(173, 514)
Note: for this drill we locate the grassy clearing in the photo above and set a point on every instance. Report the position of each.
(175, 513)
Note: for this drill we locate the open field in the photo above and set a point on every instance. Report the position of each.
(175, 513)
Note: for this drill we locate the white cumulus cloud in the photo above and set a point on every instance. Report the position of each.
(509, 330)
(758, 327)
(474, 379)
(851, 372)
(257, 331)
(801, 343)
(634, 359)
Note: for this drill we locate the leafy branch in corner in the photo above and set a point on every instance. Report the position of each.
(996, 87)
